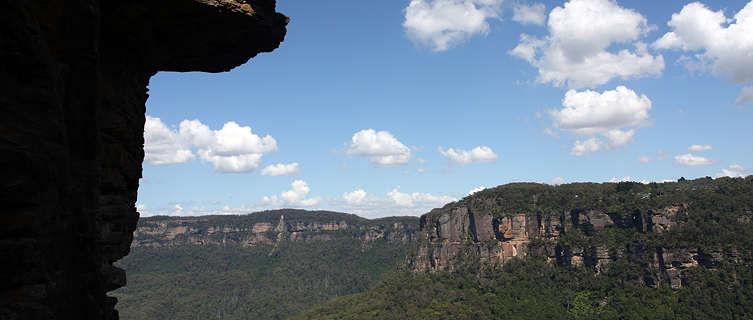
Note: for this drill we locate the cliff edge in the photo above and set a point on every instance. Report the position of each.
(663, 229)
(74, 77)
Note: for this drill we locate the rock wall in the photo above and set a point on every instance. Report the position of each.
(74, 82)
(458, 234)
(269, 230)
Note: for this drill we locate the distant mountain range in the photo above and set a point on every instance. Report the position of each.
(264, 265)
(680, 250)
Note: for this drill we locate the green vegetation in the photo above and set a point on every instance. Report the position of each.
(716, 222)
(231, 281)
(348, 278)
(534, 289)
(715, 209)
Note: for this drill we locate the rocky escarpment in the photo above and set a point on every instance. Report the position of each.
(658, 227)
(271, 228)
(74, 77)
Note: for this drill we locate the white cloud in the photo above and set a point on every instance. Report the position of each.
(394, 203)
(723, 43)
(441, 24)
(463, 157)
(691, 160)
(746, 96)
(281, 169)
(644, 159)
(575, 54)
(233, 148)
(618, 138)
(380, 147)
(354, 197)
(162, 145)
(533, 14)
(609, 113)
(623, 179)
(698, 147)
(589, 112)
(557, 181)
(733, 171)
(474, 190)
(582, 148)
(296, 196)
(417, 198)
(231, 164)
(421, 170)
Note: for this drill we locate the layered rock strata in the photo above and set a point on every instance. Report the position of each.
(75, 77)
(457, 233)
(271, 229)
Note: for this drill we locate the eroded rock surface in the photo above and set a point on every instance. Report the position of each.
(74, 77)
(271, 228)
(458, 233)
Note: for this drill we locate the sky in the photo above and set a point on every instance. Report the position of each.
(385, 108)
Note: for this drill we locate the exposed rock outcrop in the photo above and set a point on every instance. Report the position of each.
(474, 231)
(74, 77)
(271, 228)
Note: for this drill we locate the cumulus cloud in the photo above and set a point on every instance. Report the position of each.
(733, 171)
(281, 169)
(354, 197)
(589, 112)
(623, 179)
(474, 190)
(557, 181)
(575, 52)
(745, 96)
(582, 148)
(644, 159)
(233, 148)
(295, 197)
(608, 114)
(462, 157)
(231, 164)
(441, 24)
(530, 14)
(698, 147)
(381, 147)
(162, 145)
(393, 203)
(723, 43)
(416, 198)
(691, 160)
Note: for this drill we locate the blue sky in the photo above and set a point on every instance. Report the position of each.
(386, 108)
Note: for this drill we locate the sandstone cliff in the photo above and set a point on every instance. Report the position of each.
(271, 228)
(591, 225)
(74, 77)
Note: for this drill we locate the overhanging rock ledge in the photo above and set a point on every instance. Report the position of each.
(73, 81)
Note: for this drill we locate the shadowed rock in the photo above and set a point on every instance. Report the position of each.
(74, 77)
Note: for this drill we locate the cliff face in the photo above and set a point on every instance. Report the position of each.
(74, 77)
(271, 228)
(581, 234)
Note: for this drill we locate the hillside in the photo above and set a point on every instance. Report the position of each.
(681, 250)
(265, 265)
